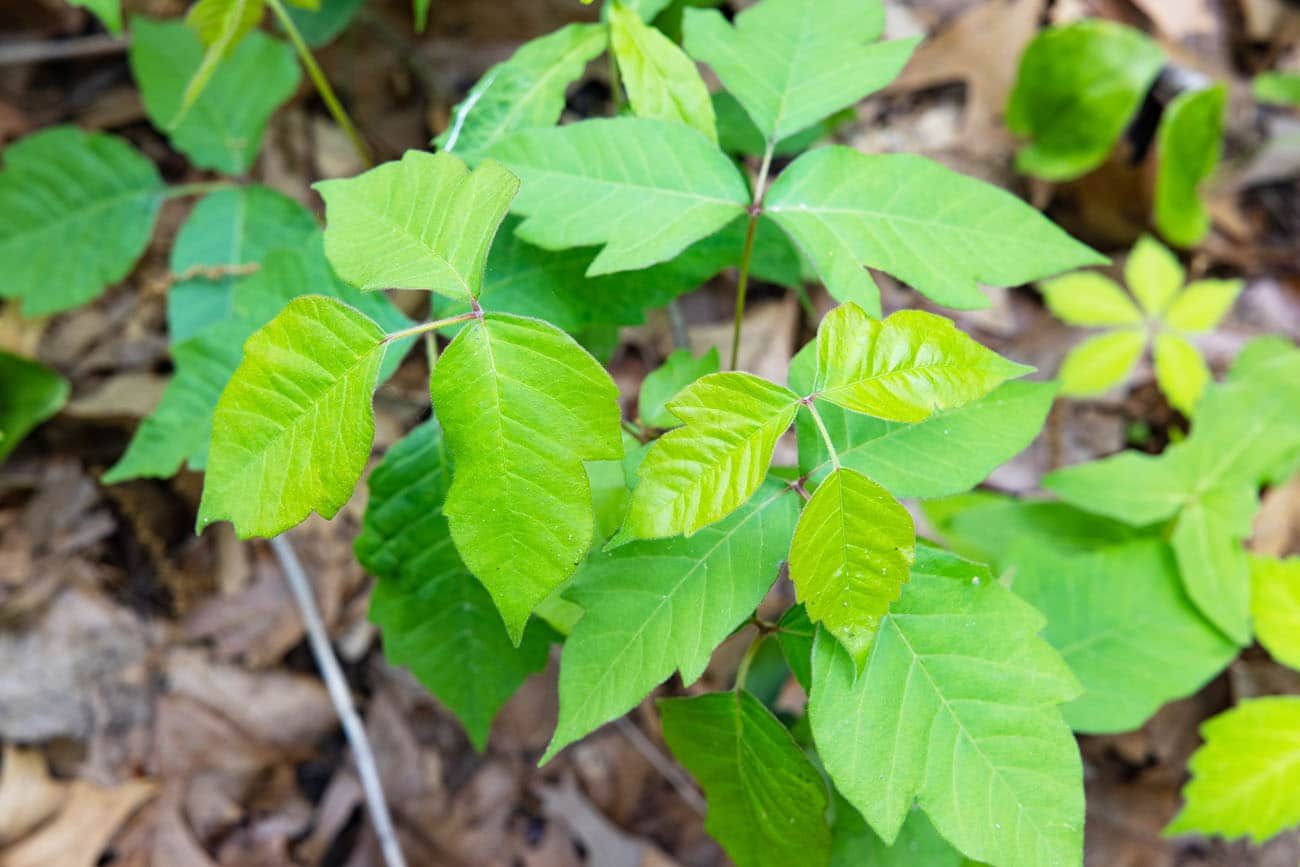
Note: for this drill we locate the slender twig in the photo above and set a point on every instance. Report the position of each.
(662, 764)
(742, 283)
(821, 428)
(43, 50)
(431, 326)
(677, 324)
(322, 83)
(341, 696)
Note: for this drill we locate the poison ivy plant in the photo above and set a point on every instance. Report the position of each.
(679, 370)
(661, 81)
(853, 843)
(1245, 777)
(1078, 87)
(30, 393)
(1165, 316)
(79, 210)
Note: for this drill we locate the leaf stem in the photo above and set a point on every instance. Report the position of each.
(198, 188)
(432, 326)
(747, 254)
(747, 660)
(322, 83)
(821, 428)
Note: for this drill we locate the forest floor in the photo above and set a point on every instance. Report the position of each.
(158, 704)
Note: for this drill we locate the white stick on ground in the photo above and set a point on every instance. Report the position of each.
(341, 696)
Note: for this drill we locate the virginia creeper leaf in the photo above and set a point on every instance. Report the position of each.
(1153, 274)
(223, 128)
(906, 367)
(423, 222)
(30, 393)
(946, 454)
(1180, 371)
(767, 803)
(1245, 777)
(220, 25)
(1189, 143)
(791, 63)
(850, 557)
(523, 92)
(937, 230)
(1275, 605)
(1087, 298)
(701, 472)
(228, 228)
(1101, 362)
(78, 212)
(661, 385)
(1120, 619)
(522, 407)
(293, 428)
(643, 189)
(435, 617)
(661, 82)
(957, 710)
(1078, 87)
(1202, 304)
(652, 608)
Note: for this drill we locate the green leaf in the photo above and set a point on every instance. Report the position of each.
(854, 844)
(522, 406)
(701, 472)
(661, 82)
(220, 25)
(1078, 87)
(850, 557)
(946, 454)
(957, 710)
(523, 92)
(30, 393)
(1181, 372)
(796, 638)
(109, 12)
(679, 370)
(1189, 143)
(1154, 275)
(1275, 606)
(239, 226)
(906, 367)
(941, 232)
(652, 608)
(293, 429)
(319, 27)
(791, 63)
(1087, 298)
(1203, 304)
(1208, 541)
(435, 618)
(738, 135)
(1101, 362)
(79, 209)
(424, 222)
(1277, 88)
(223, 128)
(1245, 777)
(603, 182)
(767, 803)
(1120, 619)
(178, 430)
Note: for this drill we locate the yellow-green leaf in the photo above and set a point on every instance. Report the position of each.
(905, 367)
(220, 24)
(703, 471)
(662, 83)
(1275, 605)
(1100, 362)
(1153, 274)
(1180, 371)
(1202, 304)
(850, 557)
(1089, 299)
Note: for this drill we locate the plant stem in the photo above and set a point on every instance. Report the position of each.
(337, 686)
(742, 284)
(199, 188)
(430, 326)
(821, 428)
(322, 83)
(747, 660)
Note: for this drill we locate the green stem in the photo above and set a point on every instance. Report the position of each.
(615, 82)
(424, 327)
(821, 428)
(199, 188)
(747, 660)
(322, 83)
(747, 254)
